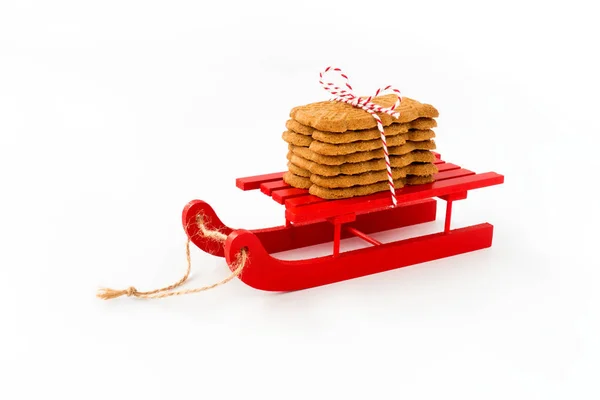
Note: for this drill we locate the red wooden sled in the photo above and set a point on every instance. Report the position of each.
(310, 220)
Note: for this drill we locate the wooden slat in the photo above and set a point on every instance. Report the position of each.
(254, 182)
(440, 176)
(268, 187)
(447, 167)
(303, 201)
(282, 195)
(454, 196)
(455, 173)
(318, 211)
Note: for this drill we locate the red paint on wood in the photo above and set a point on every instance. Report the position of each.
(363, 236)
(289, 237)
(455, 173)
(311, 220)
(268, 187)
(301, 235)
(447, 167)
(448, 216)
(337, 237)
(253, 182)
(304, 200)
(318, 211)
(210, 219)
(282, 195)
(440, 176)
(455, 196)
(267, 273)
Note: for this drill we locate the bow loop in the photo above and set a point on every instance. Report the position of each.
(343, 92)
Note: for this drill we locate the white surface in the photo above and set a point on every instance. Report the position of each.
(110, 122)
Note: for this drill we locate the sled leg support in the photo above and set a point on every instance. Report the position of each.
(363, 236)
(337, 230)
(348, 225)
(449, 199)
(352, 231)
(338, 221)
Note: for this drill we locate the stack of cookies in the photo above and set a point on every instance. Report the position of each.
(335, 149)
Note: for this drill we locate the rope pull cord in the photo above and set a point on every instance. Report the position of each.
(167, 291)
(344, 93)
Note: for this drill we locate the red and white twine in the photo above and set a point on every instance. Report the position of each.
(346, 95)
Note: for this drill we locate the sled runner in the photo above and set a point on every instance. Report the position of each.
(310, 220)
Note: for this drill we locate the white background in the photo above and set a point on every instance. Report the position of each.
(114, 114)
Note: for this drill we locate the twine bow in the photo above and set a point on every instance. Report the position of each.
(346, 94)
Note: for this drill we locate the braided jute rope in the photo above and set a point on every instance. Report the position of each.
(347, 95)
(220, 237)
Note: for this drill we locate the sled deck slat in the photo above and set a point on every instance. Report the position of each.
(328, 209)
(268, 187)
(304, 201)
(453, 173)
(302, 207)
(282, 195)
(447, 167)
(254, 182)
(440, 176)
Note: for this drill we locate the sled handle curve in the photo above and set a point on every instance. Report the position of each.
(210, 219)
(258, 272)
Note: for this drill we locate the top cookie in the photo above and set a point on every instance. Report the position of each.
(335, 116)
